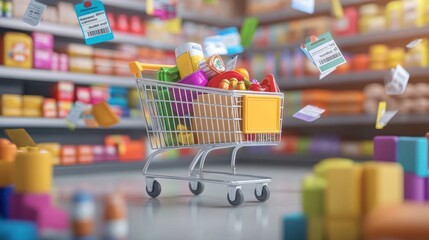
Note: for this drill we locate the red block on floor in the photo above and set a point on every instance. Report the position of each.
(38, 208)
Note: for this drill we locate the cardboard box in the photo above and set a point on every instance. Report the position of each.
(213, 119)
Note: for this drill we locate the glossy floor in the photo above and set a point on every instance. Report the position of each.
(177, 214)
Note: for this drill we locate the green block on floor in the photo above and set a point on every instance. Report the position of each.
(316, 228)
(313, 195)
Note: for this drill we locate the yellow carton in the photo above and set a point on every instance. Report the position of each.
(17, 50)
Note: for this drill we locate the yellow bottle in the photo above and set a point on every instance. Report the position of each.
(394, 16)
(188, 56)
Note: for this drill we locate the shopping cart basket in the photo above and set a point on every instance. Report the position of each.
(185, 116)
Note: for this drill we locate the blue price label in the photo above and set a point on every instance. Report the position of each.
(93, 22)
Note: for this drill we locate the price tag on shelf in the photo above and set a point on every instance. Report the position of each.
(309, 113)
(414, 43)
(93, 22)
(34, 12)
(306, 6)
(396, 83)
(75, 114)
(325, 53)
(384, 116)
(230, 65)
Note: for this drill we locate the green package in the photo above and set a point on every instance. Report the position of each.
(168, 74)
(167, 118)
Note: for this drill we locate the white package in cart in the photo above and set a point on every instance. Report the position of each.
(396, 83)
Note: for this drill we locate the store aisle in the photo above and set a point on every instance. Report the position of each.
(177, 214)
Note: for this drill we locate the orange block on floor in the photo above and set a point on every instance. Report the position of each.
(343, 228)
(383, 185)
(408, 221)
(68, 155)
(85, 154)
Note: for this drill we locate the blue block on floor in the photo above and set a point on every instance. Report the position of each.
(412, 154)
(5, 196)
(295, 227)
(17, 230)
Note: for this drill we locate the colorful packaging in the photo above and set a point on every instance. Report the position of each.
(212, 66)
(393, 14)
(17, 50)
(188, 56)
(43, 44)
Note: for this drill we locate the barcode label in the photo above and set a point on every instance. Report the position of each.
(330, 58)
(98, 32)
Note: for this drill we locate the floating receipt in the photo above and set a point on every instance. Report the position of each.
(414, 43)
(384, 116)
(397, 81)
(325, 53)
(324, 74)
(230, 65)
(93, 22)
(34, 13)
(309, 113)
(75, 114)
(306, 6)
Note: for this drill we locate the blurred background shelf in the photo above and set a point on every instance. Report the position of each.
(74, 32)
(22, 122)
(360, 39)
(357, 120)
(50, 76)
(332, 80)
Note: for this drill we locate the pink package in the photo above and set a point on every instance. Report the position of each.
(42, 59)
(110, 153)
(43, 41)
(99, 94)
(98, 153)
(55, 66)
(63, 62)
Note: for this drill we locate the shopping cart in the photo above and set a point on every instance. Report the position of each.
(186, 116)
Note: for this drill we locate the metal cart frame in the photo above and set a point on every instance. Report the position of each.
(219, 110)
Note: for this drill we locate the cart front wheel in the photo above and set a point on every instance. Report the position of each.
(156, 189)
(265, 194)
(239, 198)
(198, 190)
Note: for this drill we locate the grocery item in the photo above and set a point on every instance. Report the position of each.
(188, 56)
(17, 50)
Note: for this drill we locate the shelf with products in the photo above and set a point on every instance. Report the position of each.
(78, 78)
(24, 122)
(359, 39)
(354, 120)
(289, 14)
(363, 77)
(74, 32)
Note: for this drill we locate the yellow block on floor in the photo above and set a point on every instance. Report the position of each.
(383, 184)
(313, 195)
(343, 228)
(33, 171)
(322, 167)
(343, 192)
(315, 228)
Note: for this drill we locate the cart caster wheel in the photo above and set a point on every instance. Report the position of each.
(239, 198)
(265, 194)
(199, 190)
(156, 189)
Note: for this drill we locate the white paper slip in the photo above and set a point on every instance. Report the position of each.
(386, 117)
(34, 13)
(324, 74)
(306, 6)
(75, 113)
(397, 84)
(309, 113)
(414, 43)
(230, 65)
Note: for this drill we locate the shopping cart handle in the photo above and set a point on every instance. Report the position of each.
(137, 67)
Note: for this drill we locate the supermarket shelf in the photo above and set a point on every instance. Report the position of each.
(360, 39)
(22, 122)
(135, 166)
(290, 14)
(74, 32)
(127, 4)
(211, 20)
(354, 120)
(346, 78)
(304, 159)
(50, 76)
